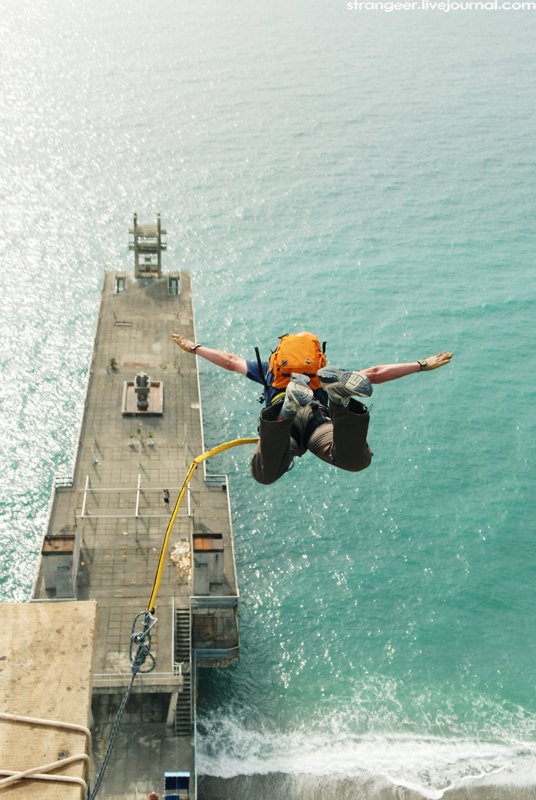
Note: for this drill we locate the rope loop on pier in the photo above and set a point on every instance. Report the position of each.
(193, 466)
(142, 642)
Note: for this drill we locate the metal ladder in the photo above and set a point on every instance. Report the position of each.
(183, 712)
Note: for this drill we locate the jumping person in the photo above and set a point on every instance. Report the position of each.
(308, 405)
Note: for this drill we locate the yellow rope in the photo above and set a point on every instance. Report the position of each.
(193, 466)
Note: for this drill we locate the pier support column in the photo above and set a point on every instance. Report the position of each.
(170, 721)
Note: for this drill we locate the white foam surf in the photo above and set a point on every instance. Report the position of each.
(427, 765)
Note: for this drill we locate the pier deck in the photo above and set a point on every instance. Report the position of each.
(107, 525)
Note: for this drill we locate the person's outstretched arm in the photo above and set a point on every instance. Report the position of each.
(221, 358)
(389, 372)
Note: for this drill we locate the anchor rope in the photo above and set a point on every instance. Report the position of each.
(193, 466)
(142, 640)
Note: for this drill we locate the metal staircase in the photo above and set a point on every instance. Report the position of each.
(183, 649)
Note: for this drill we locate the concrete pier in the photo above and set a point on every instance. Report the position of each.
(107, 525)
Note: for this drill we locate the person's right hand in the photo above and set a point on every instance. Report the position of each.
(433, 362)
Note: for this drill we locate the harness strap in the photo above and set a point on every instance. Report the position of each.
(261, 371)
(277, 397)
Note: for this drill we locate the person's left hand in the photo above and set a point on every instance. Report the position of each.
(185, 344)
(433, 362)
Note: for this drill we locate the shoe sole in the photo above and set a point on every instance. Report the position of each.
(351, 380)
(300, 398)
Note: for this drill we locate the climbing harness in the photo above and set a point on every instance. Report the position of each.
(140, 640)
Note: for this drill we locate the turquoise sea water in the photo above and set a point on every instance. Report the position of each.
(367, 175)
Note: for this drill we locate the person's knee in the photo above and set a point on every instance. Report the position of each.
(264, 480)
(265, 477)
(354, 467)
(356, 464)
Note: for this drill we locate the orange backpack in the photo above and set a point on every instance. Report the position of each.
(297, 352)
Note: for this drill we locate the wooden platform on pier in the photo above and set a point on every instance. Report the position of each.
(46, 660)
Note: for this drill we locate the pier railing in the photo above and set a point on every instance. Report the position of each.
(63, 482)
(213, 601)
(214, 479)
(108, 682)
(137, 510)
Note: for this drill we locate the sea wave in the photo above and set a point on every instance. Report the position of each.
(373, 763)
(280, 786)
